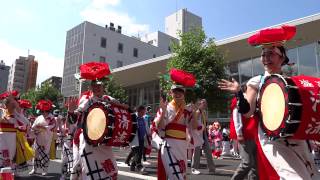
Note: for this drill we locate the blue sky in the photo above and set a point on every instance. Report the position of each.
(41, 25)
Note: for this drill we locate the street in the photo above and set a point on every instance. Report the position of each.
(224, 169)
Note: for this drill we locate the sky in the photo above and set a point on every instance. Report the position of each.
(40, 26)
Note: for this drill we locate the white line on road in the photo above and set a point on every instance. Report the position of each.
(228, 170)
(133, 175)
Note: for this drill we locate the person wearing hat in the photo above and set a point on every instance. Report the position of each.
(282, 158)
(102, 155)
(14, 148)
(43, 128)
(174, 118)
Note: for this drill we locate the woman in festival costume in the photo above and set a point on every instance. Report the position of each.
(282, 158)
(14, 148)
(95, 161)
(174, 118)
(43, 128)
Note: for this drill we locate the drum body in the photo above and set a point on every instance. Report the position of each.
(290, 107)
(109, 125)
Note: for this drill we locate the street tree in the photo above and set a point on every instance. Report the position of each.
(197, 54)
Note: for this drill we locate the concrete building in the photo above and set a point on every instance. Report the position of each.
(142, 83)
(53, 81)
(23, 74)
(4, 74)
(181, 21)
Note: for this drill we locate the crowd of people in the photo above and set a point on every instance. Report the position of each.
(95, 122)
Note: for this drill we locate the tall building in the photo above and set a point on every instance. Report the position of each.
(53, 81)
(90, 42)
(23, 74)
(4, 73)
(181, 21)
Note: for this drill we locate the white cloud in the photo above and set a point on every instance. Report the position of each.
(101, 12)
(48, 65)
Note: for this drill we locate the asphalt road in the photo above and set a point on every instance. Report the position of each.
(224, 169)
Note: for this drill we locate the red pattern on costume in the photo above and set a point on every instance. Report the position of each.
(182, 165)
(108, 167)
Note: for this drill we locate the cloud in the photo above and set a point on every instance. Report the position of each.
(102, 12)
(48, 65)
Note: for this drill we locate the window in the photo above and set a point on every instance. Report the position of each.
(102, 59)
(154, 55)
(307, 60)
(169, 49)
(103, 42)
(119, 64)
(120, 48)
(135, 52)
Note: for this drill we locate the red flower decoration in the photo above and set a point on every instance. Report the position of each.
(6, 94)
(272, 35)
(94, 70)
(24, 103)
(44, 105)
(182, 77)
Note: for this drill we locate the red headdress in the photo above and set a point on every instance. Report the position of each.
(6, 94)
(273, 36)
(182, 77)
(24, 103)
(94, 70)
(44, 105)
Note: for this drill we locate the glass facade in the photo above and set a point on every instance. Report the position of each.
(303, 60)
(146, 94)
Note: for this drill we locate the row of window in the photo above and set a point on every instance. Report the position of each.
(103, 44)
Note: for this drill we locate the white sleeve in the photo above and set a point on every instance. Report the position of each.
(254, 82)
(237, 121)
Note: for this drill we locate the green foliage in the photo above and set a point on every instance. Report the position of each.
(115, 90)
(46, 92)
(199, 55)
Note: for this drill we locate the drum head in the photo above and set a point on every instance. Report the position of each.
(272, 106)
(96, 124)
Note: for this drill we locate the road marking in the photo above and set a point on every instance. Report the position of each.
(133, 175)
(228, 170)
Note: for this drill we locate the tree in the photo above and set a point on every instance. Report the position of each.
(46, 92)
(115, 90)
(199, 55)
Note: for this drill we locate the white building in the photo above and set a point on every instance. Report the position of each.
(90, 42)
(4, 74)
(181, 21)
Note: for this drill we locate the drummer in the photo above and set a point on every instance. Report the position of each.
(95, 161)
(174, 118)
(281, 158)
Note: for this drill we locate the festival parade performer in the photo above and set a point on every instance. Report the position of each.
(281, 156)
(43, 128)
(95, 162)
(14, 148)
(174, 118)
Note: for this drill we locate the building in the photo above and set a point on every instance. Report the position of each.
(4, 74)
(90, 42)
(142, 83)
(23, 74)
(181, 21)
(53, 81)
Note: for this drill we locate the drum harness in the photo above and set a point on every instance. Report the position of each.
(285, 140)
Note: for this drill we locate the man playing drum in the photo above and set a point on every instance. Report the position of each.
(96, 162)
(174, 118)
(281, 158)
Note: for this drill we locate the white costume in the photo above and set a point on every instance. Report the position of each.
(175, 144)
(95, 162)
(43, 141)
(291, 158)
